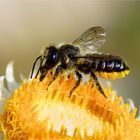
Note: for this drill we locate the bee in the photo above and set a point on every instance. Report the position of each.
(81, 56)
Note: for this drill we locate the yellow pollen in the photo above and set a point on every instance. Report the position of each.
(37, 111)
(113, 75)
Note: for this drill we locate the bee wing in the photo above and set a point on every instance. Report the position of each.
(91, 39)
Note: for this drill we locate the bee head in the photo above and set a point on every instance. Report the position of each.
(49, 57)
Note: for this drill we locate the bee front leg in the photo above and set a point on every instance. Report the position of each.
(43, 72)
(79, 76)
(97, 83)
(59, 70)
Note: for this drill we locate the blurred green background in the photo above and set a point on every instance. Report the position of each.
(27, 26)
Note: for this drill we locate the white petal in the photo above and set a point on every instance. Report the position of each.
(132, 106)
(1, 83)
(138, 117)
(4, 94)
(11, 82)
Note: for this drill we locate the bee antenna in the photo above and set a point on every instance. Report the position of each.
(34, 66)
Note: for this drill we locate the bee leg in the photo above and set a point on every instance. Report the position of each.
(68, 76)
(79, 76)
(43, 73)
(59, 69)
(97, 83)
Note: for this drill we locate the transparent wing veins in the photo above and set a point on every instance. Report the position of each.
(91, 39)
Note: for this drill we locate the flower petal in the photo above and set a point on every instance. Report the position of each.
(11, 82)
(1, 83)
(4, 94)
(132, 106)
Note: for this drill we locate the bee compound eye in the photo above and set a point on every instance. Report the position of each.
(52, 55)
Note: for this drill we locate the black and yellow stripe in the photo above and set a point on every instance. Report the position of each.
(105, 66)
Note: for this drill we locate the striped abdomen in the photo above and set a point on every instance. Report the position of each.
(112, 68)
(105, 66)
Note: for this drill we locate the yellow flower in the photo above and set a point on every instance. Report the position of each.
(36, 111)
